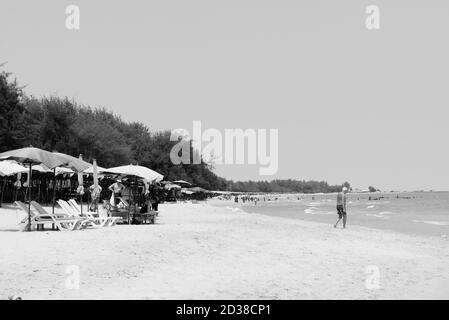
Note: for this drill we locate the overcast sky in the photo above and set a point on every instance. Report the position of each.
(366, 106)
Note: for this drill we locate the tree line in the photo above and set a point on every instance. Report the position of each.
(61, 124)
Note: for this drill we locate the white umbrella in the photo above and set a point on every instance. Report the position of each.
(32, 156)
(181, 182)
(170, 186)
(40, 168)
(91, 169)
(95, 173)
(62, 170)
(9, 168)
(135, 171)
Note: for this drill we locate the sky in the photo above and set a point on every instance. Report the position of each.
(350, 104)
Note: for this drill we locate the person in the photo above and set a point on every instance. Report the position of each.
(117, 189)
(156, 198)
(341, 207)
(95, 196)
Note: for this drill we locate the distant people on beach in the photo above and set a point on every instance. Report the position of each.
(341, 207)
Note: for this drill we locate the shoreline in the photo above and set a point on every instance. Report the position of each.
(379, 215)
(200, 251)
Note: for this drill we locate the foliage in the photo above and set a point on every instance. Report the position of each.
(60, 124)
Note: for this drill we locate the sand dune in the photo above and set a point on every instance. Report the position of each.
(197, 251)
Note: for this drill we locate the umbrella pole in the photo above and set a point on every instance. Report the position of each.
(54, 190)
(81, 203)
(129, 211)
(134, 195)
(3, 191)
(29, 200)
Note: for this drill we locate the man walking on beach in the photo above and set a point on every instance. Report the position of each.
(341, 206)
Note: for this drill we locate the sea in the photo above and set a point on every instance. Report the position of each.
(417, 213)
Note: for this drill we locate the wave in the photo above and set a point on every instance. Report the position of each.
(437, 223)
(234, 209)
(386, 212)
(310, 210)
(313, 210)
(313, 204)
(377, 215)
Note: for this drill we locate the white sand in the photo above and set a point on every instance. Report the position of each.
(196, 251)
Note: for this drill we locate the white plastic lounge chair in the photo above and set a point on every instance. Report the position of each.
(41, 217)
(64, 224)
(36, 220)
(124, 204)
(109, 221)
(95, 222)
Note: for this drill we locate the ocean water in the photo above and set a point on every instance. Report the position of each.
(421, 213)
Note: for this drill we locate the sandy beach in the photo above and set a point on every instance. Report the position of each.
(198, 251)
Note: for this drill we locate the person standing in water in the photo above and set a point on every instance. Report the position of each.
(341, 207)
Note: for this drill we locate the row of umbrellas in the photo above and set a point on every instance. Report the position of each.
(52, 160)
(10, 167)
(184, 187)
(35, 156)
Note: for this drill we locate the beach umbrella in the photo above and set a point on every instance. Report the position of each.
(135, 171)
(9, 168)
(40, 168)
(95, 173)
(197, 189)
(62, 170)
(170, 186)
(184, 190)
(91, 169)
(32, 156)
(76, 164)
(182, 182)
(95, 178)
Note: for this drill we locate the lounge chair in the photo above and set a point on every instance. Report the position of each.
(65, 224)
(94, 222)
(105, 220)
(36, 220)
(39, 217)
(123, 204)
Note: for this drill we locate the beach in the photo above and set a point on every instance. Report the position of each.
(201, 251)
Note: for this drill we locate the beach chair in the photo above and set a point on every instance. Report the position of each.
(149, 217)
(103, 220)
(94, 222)
(123, 204)
(108, 210)
(64, 224)
(40, 217)
(37, 222)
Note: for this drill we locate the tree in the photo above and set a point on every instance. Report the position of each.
(11, 113)
(347, 185)
(60, 124)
